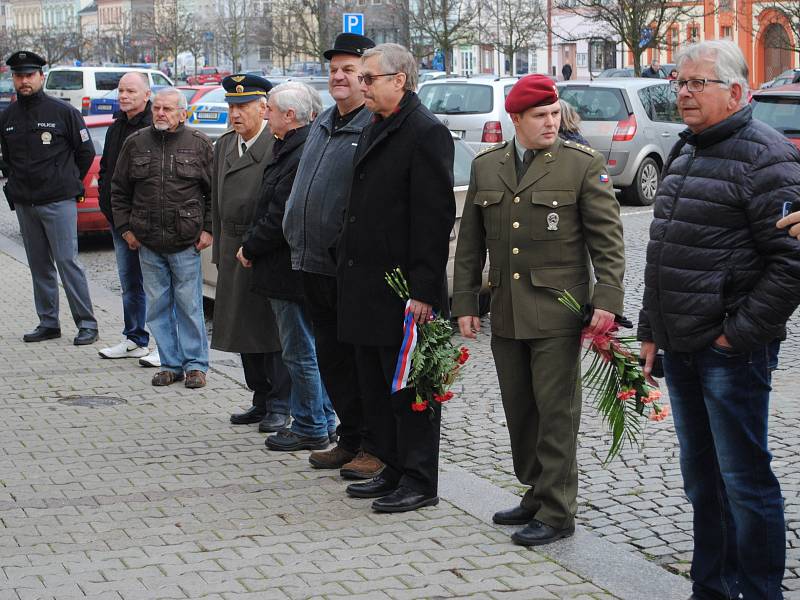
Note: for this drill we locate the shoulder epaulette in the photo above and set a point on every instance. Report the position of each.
(582, 147)
(491, 149)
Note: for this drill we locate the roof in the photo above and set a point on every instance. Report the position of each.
(92, 8)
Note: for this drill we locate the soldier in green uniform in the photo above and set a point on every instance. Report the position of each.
(546, 212)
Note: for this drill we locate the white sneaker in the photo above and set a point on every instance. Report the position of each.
(125, 349)
(151, 360)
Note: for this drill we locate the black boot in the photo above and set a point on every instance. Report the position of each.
(253, 415)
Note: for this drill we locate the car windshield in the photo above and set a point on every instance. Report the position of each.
(65, 80)
(98, 138)
(595, 103)
(456, 98)
(779, 112)
(189, 95)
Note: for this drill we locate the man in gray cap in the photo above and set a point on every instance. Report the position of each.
(47, 152)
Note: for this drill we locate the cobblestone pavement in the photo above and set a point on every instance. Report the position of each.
(152, 494)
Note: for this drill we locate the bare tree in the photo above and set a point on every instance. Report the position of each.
(12, 39)
(195, 41)
(233, 28)
(278, 30)
(53, 43)
(119, 38)
(169, 27)
(638, 24)
(514, 25)
(441, 23)
(780, 29)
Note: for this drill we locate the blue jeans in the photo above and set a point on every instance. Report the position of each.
(720, 402)
(312, 411)
(134, 302)
(174, 287)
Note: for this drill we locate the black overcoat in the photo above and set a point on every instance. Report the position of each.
(264, 242)
(400, 214)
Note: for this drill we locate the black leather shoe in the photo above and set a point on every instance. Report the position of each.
(377, 488)
(253, 415)
(41, 334)
(287, 440)
(514, 516)
(272, 422)
(86, 336)
(403, 499)
(537, 533)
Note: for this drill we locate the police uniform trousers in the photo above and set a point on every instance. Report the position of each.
(50, 234)
(541, 391)
(266, 374)
(406, 441)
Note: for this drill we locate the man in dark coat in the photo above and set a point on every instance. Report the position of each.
(401, 213)
(134, 114)
(243, 322)
(720, 283)
(290, 108)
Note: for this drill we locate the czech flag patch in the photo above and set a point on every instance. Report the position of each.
(603, 177)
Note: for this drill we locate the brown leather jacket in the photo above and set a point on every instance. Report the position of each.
(161, 189)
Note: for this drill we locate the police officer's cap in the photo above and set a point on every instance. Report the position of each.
(349, 43)
(241, 88)
(25, 61)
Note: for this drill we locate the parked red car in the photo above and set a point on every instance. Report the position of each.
(90, 219)
(779, 107)
(207, 75)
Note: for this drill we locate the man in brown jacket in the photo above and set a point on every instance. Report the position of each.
(161, 198)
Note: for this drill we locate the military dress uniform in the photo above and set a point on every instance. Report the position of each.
(544, 232)
(47, 152)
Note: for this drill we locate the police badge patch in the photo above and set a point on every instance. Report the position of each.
(84, 135)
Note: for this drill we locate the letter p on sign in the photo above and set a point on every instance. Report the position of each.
(353, 23)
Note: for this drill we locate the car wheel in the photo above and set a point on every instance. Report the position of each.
(645, 184)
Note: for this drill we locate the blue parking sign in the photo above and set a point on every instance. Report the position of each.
(353, 23)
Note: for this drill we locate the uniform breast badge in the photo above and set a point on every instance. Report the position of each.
(47, 137)
(552, 222)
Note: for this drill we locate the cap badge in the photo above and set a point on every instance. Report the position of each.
(238, 78)
(239, 89)
(22, 55)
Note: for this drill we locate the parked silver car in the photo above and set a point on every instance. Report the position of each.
(473, 109)
(634, 122)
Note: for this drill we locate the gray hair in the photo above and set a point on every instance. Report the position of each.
(316, 101)
(171, 91)
(729, 62)
(295, 96)
(396, 59)
(570, 119)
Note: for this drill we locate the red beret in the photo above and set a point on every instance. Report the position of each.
(531, 90)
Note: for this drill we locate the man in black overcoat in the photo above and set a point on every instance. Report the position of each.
(400, 214)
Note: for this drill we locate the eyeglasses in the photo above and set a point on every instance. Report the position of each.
(370, 79)
(695, 86)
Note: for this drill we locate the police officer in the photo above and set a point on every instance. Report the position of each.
(47, 152)
(545, 210)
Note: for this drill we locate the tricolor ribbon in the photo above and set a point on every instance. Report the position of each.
(403, 368)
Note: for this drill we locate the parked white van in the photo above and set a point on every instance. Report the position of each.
(80, 85)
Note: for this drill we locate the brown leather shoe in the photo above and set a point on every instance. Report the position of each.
(195, 379)
(166, 378)
(331, 459)
(363, 466)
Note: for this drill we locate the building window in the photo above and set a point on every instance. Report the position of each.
(693, 33)
(726, 32)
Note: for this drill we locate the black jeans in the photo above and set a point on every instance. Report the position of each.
(406, 441)
(267, 376)
(337, 363)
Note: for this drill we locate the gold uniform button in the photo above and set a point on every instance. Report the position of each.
(485, 202)
(515, 251)
(515, 224)
(555, 203)
(516, 275)
(516, 200)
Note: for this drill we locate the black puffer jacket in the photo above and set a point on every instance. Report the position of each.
(264, 243)
(716, 263)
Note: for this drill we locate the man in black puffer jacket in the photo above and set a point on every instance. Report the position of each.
(720, 283)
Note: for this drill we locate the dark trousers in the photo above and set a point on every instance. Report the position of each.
(267, 376)
(540, 386)
(406, 441)
(337, 363)
(720, 403)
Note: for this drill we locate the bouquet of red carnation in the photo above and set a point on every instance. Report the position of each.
(428, 359)
(617, 384)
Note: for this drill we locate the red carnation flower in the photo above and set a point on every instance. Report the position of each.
(419, 405)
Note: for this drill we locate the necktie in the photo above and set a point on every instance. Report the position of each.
(244, 148)
(527, 159)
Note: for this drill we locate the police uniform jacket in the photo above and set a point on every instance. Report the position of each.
(544, 235)
(243, 322)
(46, 148)
(400, 214)
(161, 188)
